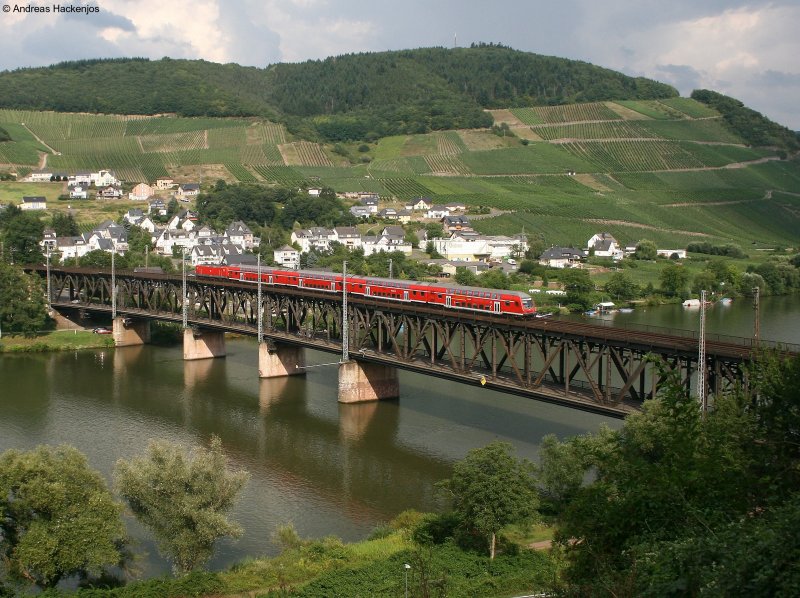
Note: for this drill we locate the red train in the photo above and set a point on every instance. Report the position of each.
(432, 293)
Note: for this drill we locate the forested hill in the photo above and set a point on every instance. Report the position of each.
(351, 96)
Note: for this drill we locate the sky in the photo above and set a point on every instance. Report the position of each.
(748, 50)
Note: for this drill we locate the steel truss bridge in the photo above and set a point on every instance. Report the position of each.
(588, 366)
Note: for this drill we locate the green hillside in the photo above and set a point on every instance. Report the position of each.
(354, 96)
(676, 176)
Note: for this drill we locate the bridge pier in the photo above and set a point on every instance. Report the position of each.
(203, 344)
(129, 332)
(278, 360)
(360, 382)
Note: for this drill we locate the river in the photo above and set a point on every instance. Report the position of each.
(328, 468)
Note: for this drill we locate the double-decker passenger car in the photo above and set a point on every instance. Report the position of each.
(431, 293)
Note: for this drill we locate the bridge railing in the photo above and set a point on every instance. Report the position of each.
(740, 341)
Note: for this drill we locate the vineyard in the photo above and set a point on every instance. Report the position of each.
(691, 108)
(565, 114)
(240, 173)
(449, 143)
(282, 175)
(639, 169)
(652, 109)
(446, 165)
(304, 153)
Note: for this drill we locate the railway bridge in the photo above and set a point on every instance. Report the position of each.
(588, 366)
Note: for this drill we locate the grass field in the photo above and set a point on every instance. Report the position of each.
(57, 340)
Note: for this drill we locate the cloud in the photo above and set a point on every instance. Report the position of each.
(744, 48)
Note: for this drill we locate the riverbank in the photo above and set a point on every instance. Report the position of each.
(56, 340)
(386, 564)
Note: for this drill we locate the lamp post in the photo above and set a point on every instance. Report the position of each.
(345, 327)
(390, 267)
(185, 306)
(260, 315)
(406, 567)
(701, 357)
(113, 284)
(49, 292)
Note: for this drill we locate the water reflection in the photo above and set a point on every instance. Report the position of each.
(355, 419)
(329, 468)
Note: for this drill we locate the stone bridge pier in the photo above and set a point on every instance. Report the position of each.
(202, 343)
(360, 382)
(276, 360)
(129, 332)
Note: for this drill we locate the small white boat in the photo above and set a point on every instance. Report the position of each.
(625, 310)
(691, 303)
(726, 301)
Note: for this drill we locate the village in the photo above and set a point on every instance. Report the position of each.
(178, 233)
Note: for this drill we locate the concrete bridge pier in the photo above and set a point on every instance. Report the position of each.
(361, 382)
(129, 332)
(278, 360)
(203, 344)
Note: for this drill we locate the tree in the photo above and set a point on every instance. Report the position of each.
(705, 281)
(465, 277)
(682, 502)
(646, 250)
(576, 281)
(64, 225)
(494, 278)
(490, 489)
(57, 517)
(182, 498)
(22, 301)
(20, 232)
(621, 286)
(674, 278)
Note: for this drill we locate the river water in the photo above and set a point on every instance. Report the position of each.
(779, 318)
(328, 468)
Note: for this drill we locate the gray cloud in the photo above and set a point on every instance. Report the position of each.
(102, 18)
(745, 48)
(681, 76)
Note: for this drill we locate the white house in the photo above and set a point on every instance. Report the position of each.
(287, 257)
(360, 211)
(240, 234)
(187, 190)
(668, 253)
(420, 204)
(82, 177)
(157, 207)
(72, 247)
(605, 245)
(385, 243)
(347, 236)
(561, 257)
(78, 192)
(314, 191)
(371, 203)
(49, 240)
(104, 178)
(133, 216)
(317, 238)
(40, 176)
(110, 192)
(437, 212)
(33, 203)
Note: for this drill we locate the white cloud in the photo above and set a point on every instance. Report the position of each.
(724, 45)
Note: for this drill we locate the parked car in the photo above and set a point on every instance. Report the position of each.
(101, 330)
